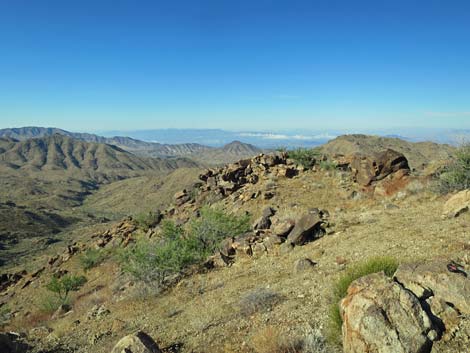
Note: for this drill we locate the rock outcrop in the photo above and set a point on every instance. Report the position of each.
(380, 316)
(120, 234)
(447, 294)
(423, 303)
(234, 176)
(377, 166)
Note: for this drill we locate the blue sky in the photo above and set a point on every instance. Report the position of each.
(245, 65)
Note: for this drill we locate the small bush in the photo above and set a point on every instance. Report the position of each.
(386, 264)
(49, 304)
(91, 258)
(327, 165)
(152, 262)
(147, 220)
(5, 314)
(213, 226)
(63, 286)
(456, 176)
(304, 156)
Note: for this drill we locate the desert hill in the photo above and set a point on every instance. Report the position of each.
(419, 154)
(66, 154)
(200, 153)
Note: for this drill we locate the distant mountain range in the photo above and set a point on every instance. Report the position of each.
(65, 154)
(203, 154)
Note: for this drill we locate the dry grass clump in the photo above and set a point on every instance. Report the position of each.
(272, 340)
(456, 175)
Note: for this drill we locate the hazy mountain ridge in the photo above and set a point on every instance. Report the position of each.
(205, 154)
(59, 152)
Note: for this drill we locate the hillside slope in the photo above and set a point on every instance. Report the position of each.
(68, 155)
(264, 295)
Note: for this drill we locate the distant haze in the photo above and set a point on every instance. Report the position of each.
(285, 138)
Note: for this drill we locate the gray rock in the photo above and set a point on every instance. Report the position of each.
(264, 222)
(282, 228)
(286, 248)
(138, 342)
(433, 279)
(302, 265)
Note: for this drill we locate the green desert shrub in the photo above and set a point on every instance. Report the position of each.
(456, 176)
(66, 284)
(327, 165)
(61, 287)
(5, 314)
(151, 262)
(91, 258)
(177, 248)
(378, 264)
(214, 225)
(147, 220)
(304, 156)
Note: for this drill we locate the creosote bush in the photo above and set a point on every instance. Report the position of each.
(378, 264)
(177, 248)
(456, 176)
(304, 156)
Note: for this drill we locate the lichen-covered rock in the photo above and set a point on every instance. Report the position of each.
(446, 293)
(138, 342)
(380, 316)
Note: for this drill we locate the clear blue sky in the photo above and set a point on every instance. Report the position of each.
(96, 65)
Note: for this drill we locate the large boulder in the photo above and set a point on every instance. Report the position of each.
(371, 168)
(138, 342)
(380, 316)
(306, 229)
(457, 204)
(264, 222)
(433, 279)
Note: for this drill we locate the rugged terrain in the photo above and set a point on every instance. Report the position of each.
(45, 182)
(310, 225)
(197, 152)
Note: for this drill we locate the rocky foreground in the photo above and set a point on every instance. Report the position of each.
(274, 283)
